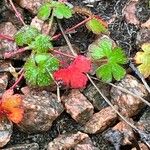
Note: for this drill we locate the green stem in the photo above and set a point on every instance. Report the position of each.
(50, 23)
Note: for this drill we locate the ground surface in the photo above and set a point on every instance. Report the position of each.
(121, 32)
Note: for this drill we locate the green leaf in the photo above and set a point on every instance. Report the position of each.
(25, 35)
(100, 48)
(38, 69)
(117, 71)
(44, 11)
(95, 26)
(61, 10)
(42, 44)
(104, 72)
(112, 59)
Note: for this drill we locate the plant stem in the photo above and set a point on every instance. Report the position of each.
(140, 76)
(16, 12)
(101, 21)
(61, 53)
(110, 104)
(11, 54)
(50, 23)
(126, 91)
(72, 28)
(67, 40)
(19, 79)
(6, 37)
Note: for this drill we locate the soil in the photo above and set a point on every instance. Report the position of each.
(122, 32)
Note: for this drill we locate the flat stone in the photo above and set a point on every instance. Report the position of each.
(32, 146)
(6, 129)
(77, 105)
(67, 141)
(100, 121)
(128, 105)
(41, 109)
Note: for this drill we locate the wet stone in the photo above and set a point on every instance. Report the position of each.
(128, 105)
(41, 109)
(6, 128)
(77, 105)
(32, 146)
(100, 121)
(94, 97)
(67, 141)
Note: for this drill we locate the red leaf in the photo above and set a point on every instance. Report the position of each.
(11, 106)
(78, 79)
(82, 63)
(63, 75)
(74, 76)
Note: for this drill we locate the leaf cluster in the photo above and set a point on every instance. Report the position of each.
(112, 58)
(40, 65)
(60, 10)
(39, 69)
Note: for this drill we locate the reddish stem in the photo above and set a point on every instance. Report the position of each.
(11, 54)
(61, 53)
(72, 28)
(101, 21)
(16, 12)
(18, 80)
(6, 37)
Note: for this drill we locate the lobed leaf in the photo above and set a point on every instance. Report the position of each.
(41, 44)
(44, 11)
(143, 58)
(114, 57)
(12, 106)
(38, 69)
(26, 35)
(73, 76)
(61, 10)
(95, 26)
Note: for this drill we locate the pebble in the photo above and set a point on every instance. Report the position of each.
(77, 105)
(32, 146)
(100, 121)
(67, 141)
(6, 129)
(41, 109)
(128, 105)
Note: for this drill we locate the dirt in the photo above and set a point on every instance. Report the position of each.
(122, 32)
